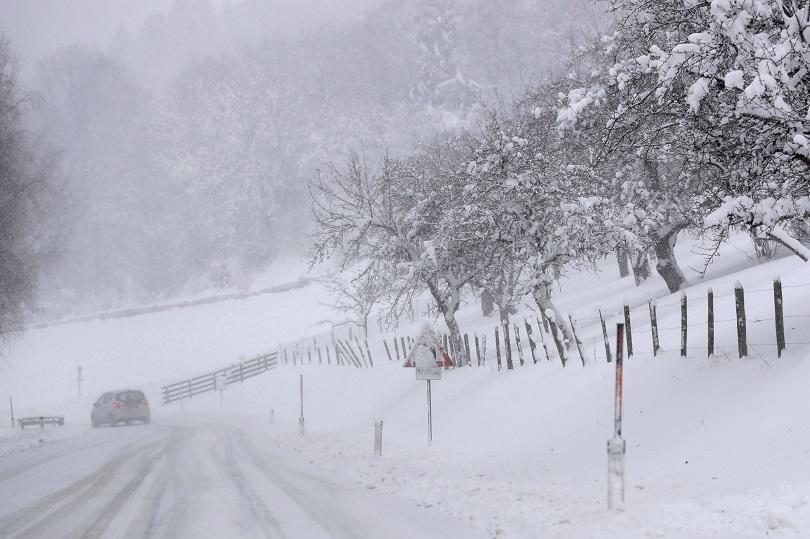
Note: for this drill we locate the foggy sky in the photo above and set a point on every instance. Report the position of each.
(37, 28)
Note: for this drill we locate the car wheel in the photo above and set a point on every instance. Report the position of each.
(94, 422)
(145, 420)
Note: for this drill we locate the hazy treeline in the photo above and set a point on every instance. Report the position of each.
(186, 147)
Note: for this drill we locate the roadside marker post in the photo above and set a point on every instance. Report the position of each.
(301, 393)
(616, 447)
(79, 379)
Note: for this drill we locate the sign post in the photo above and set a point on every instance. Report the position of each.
(220, 384)
(428, 374)
(616, 446)
(79, 379)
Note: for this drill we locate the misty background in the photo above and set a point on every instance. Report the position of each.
(184, 134)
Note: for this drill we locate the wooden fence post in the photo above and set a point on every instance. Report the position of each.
(368, 353)
(654, 326)
(498, 347)
(404, 350)
(605, 336)
(396, 348)
(683, 324)
(739, 302)
(710, 321)
(558, 342)
(627, 331)
(532, 344)
(576, 340)
(467, 349)
(778, 316)
(328, 355)
(507, 346)
(387, 350)
(518, 344)
(477, 350)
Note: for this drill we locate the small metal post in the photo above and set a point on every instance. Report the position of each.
(301, 393)
(710, 321)
(11, 406)
(378, 429)
(430, 415)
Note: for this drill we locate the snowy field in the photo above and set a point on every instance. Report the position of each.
(716, 447)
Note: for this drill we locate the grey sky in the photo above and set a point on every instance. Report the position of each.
(38, 27)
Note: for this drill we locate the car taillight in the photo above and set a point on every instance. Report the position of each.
(117, 404)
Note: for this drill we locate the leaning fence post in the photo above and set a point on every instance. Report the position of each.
(387, 350)
(605, 336)
(396, 348)
(378, 428)
(778, 316)
(477, 350)
(710, 320)
(739, 301)
(498, 347)
(507, 346)
(654, 327)
(576, 340)
(467, 349)
(557, 341)
(683, 324)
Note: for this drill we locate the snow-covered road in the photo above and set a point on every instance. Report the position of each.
(191, 479)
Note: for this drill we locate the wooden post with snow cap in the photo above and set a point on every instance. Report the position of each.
(654, 327)
(605, 336)
(710, 321)
(683, 324)
(779, 316)
(616, 446)
(739, 302)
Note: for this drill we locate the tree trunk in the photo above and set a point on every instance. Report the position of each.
(448, 307)
(542, 297)
(667, 266)
(487, 303)
(621, 256)
(641, 266)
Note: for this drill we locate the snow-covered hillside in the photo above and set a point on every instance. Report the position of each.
(716, 447)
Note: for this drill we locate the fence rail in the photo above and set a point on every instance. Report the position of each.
(204, 383)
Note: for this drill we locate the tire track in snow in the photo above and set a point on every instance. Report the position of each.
(254, 502)
(38, 517)
(147, 464)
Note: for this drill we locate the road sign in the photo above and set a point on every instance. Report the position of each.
(428, 373)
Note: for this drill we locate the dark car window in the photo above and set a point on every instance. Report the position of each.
(130, 396)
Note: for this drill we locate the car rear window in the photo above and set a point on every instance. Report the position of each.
(130, 396)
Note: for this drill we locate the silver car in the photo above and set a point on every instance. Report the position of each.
(125, 405)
